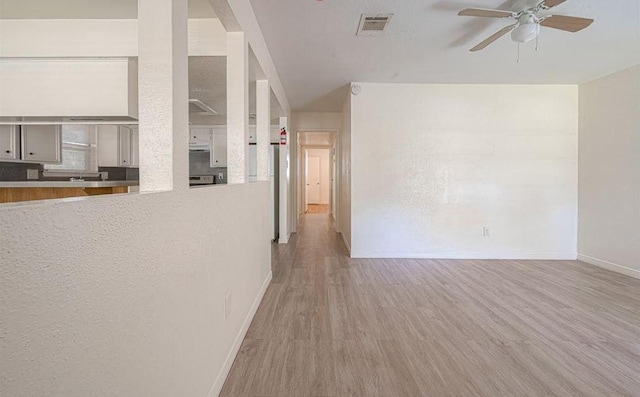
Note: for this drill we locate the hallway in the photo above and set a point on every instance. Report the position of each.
(333, 326)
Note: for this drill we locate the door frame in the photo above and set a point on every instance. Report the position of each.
(300, 172)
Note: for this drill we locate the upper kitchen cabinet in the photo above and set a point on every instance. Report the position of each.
(219, 147)
(103, 88)
(41, 143)
(9, 143)
(118, 146)
(199, 138)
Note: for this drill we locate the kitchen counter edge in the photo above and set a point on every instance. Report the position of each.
(19, 184)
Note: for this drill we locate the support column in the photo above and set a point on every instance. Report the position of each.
(237, 108)
(263, 127)
(284, 184)
(163, 85)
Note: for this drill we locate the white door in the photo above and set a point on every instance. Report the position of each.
(42, 143)
(313, 180)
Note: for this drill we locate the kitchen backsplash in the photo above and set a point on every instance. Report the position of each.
(121, 173)
(12, 172)
(199, 165)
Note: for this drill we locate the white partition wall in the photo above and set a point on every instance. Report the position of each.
(237, 108)
(163, 77)
(263, 127)
(125, 294)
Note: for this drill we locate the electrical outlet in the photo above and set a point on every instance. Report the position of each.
(104, 175)
(227, 305)
(221, 176)
(32, 174)
(486, 231)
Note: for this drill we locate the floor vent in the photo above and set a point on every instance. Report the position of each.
(373, 25)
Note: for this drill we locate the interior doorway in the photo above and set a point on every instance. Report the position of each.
(317, 172)
(318, 181)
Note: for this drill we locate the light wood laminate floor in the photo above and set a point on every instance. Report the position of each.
(333, 326)
(317, 208)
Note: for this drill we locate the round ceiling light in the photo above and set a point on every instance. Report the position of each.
(525, 32)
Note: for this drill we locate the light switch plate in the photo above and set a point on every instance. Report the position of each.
(32, 174)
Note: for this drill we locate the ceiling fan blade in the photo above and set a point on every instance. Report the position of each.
(477, 12)
(552, 3)
(493, 38)
(569, 24)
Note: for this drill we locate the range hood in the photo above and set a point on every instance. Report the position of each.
(68, 91)
(199, 108)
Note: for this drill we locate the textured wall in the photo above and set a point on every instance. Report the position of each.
(434, 164)
(609, 172)
(344, 159)
(124, 295)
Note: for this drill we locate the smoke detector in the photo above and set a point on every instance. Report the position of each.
(373, 25)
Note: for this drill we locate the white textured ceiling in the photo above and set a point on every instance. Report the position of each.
(317, 53)
(87, 9)
(207, 82)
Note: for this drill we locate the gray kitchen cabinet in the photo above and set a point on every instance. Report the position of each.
(118, 146)
(41, 143)
(9, 143)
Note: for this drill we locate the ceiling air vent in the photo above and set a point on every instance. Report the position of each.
(373, 25)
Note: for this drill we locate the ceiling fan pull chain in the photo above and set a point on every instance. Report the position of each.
(518, 60)
(537, 38)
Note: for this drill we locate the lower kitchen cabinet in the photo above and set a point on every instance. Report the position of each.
(41, 143)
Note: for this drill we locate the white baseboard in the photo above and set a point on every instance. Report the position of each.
(284, 240)
(558, 256)
(627, 271)
(224, 371)
(346, 243)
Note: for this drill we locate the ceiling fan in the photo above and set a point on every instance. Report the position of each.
(528, 21)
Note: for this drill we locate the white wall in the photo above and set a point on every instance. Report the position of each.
(344, 173)
(325, 179)
(318, 121)
(124, 295)
(97, 37)
(434, 164)
(609, 172)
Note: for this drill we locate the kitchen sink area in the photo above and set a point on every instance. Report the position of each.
(54, 161)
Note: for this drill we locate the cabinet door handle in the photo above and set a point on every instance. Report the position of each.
(30, 153)
(8, 151)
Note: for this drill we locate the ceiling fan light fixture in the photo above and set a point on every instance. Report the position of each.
(525, 32)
